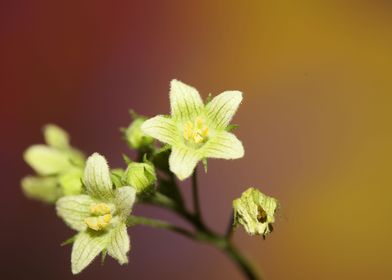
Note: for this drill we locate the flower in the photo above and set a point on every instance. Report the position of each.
(255, 211)
(196, 131)
(99, 216)
(58, 165)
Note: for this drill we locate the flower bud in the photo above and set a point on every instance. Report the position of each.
(134, 135)
(255, 212)
(141, 176)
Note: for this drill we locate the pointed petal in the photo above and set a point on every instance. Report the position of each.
(86, 247)
(41, 188)
(119, 244)
(74, 209)
(185, 101)
(97, 177)
(162, 128)
(183, 161)
(222, 108)
(56, 137)
(124, 200)
(223, 145)
(46, 160)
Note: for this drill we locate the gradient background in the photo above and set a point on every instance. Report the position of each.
(315, 121)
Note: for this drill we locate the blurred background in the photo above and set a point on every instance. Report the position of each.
(315, 122)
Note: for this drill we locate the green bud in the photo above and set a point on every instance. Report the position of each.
(141, 176)
(134, 135)
(255, 212)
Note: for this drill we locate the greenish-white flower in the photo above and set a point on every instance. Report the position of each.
(141, 176)
(99, 216)
(196, 131)
(57, 164)
(135, 137)
(255, 212)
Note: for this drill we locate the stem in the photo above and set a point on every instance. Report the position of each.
(219, 242)
(230, 227)
(242, 263)
(195, 195)
(202, 232)
(136, 220)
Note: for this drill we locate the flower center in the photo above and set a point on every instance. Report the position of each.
(196, 131)
(100, 216)
(261, 215)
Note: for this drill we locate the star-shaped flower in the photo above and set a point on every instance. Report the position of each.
(99, 216)
(196, 131)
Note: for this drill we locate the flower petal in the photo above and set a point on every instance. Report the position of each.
(124, 200)
(86, 247)
(185, 101)
(222, 108)
(41, 188)
(70, 182)
(183, 161)
(223, 145)
(46, 160)
(56, 137)
(119, 243)
(162, 128)
(97, 177)
(74, 209)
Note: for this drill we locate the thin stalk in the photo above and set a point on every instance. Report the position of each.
(195, 195)
(217, 241)
(230, 227)
(136, 220)
(242, 263)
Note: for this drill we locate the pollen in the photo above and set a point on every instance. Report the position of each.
(99, 209)
(98, 223)
(196, 131)
(100, 216)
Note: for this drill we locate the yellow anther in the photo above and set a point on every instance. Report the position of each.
(188, 130)
(99, 209)
(98, 223)
(196, 131)
(199, 122)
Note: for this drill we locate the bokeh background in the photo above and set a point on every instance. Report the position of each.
(315, 122)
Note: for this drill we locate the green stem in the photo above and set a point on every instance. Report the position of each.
(230, 226)
(195, 196)
(202, 232)
(136, 220)
(202, 235)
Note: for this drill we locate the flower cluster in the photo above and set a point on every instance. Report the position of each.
(58, 165)
(97, 201)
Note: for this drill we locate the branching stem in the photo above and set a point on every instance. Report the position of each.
(201, 232)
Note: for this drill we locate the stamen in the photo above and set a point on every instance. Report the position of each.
(196, 132)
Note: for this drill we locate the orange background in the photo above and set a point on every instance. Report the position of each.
(315, 122)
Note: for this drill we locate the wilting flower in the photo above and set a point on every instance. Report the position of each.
(58, 165)
(196, 131)
(255, 212)
(99, 216)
